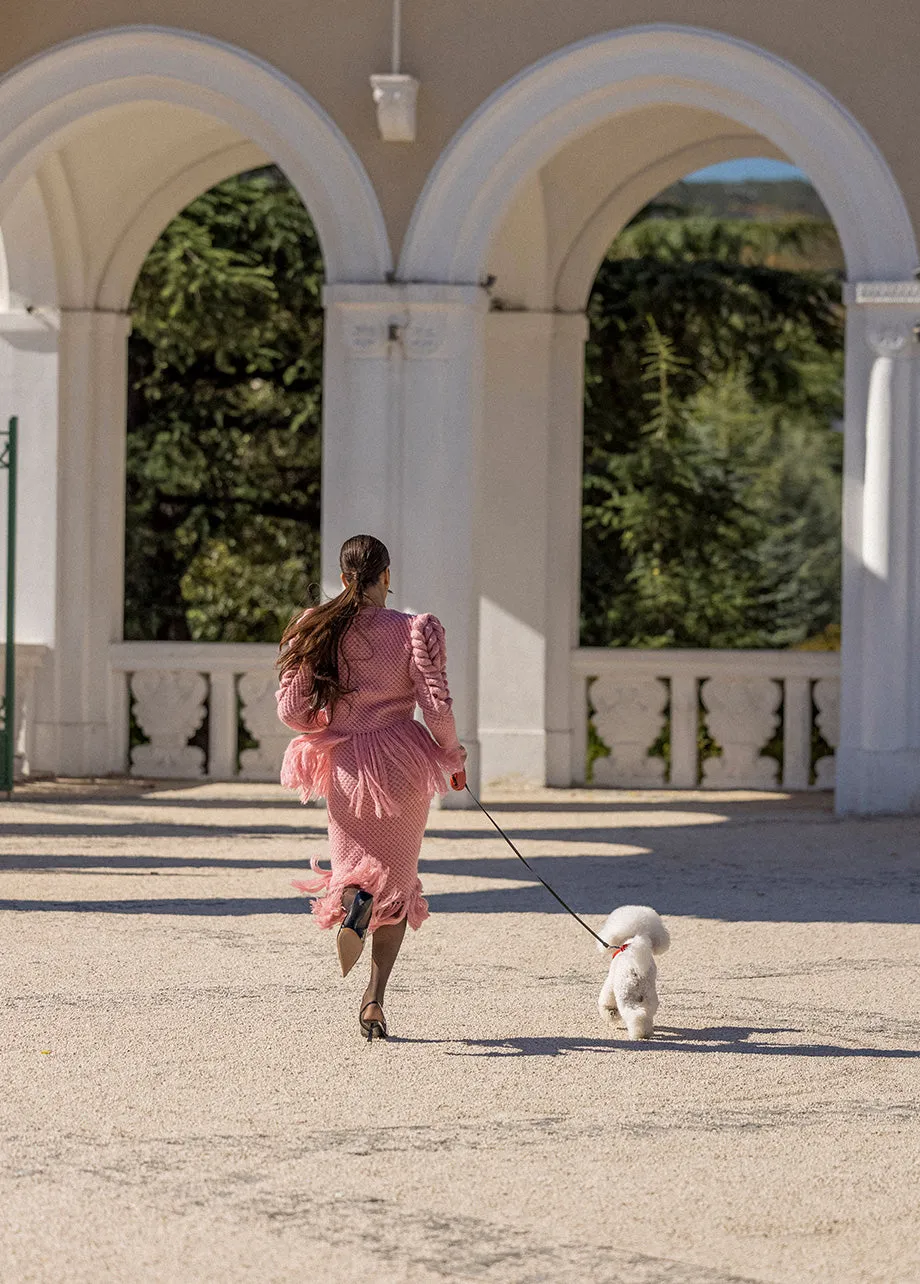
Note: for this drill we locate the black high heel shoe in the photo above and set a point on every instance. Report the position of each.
(349, 942)
(372, 1029)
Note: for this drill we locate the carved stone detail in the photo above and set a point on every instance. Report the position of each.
(367, 336)
(827, 701)
(260, 716)
(889, 340)
(169, 708)
(881, 292)
(628, 718)
(425, 334)
(741, 717)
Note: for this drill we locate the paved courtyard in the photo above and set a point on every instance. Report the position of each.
(186, 1098)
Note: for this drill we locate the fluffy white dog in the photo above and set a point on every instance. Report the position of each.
(634, 935)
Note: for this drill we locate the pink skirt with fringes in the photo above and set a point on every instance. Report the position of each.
(378, 788)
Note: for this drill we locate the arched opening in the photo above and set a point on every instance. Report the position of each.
(530, 195)
(224, 411)
(713, 462)
(106, 140)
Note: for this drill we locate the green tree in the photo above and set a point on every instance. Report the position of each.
(225, 369)
(747, 477)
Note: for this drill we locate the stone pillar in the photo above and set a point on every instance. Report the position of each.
(362, 429)
(530, 529)
(28, 389)
(83, 722)
(564, 504)
(439, 548)
(401, 441)
(878, 758)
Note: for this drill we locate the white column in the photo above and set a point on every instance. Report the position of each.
(878, 758)
(563, 560)
(81, 729)
(28, 389)
(362, 429)
(401, 440)
(511, 519)
(439, 551)
(530, 530)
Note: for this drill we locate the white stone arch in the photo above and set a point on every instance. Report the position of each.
(44, 100)
(554, 101)
(577, 272)
(492, 189)
(104, 140)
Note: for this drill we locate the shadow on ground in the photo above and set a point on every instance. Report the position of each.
(787, 861)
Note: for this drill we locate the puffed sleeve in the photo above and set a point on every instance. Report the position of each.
(429, 670)
(293, 708)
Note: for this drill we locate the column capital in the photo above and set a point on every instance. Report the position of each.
(416, 317)
(891, 313)
(882, 294)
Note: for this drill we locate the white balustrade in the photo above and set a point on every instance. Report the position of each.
(738, 695)
(176, 685)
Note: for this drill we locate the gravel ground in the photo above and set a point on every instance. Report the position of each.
(186, 1097)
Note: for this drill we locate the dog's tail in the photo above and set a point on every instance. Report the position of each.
(635, 920)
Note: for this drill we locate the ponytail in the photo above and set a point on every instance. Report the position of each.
(314, 637)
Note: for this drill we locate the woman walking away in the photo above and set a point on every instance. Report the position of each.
(352, 673)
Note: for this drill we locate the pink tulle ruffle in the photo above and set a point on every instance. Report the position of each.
(369, 874)
(404, 749)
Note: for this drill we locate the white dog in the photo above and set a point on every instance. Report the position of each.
(634, 935)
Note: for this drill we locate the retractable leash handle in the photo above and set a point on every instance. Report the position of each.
(568, 909)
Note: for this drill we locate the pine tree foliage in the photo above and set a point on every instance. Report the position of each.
(712, 474)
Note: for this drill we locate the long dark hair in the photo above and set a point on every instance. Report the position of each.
(314, 637)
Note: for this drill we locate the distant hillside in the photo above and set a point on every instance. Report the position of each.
(760, 199)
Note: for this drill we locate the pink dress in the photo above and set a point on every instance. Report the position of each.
(375, 765)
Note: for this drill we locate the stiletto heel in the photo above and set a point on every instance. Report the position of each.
(349, 943)
(372, 1029)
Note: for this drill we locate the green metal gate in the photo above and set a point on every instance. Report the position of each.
(8, 705)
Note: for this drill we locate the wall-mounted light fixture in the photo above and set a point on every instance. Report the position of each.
(395, 94)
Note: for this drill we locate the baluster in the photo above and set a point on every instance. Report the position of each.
(169, 708)
(797, 733)
(628, 717)
(741, 717)
(827, 700)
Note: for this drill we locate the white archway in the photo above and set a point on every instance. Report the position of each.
(47, 99)
(501, 184)
(549, 104)
(105, 139)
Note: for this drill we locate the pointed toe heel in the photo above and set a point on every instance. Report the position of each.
(349, 943)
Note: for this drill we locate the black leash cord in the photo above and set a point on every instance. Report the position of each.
(567, 908)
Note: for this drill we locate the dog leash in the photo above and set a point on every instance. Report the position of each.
(568, 909)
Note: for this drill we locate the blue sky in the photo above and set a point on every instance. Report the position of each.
(740, 171)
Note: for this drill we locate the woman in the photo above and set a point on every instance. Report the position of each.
(352, 673)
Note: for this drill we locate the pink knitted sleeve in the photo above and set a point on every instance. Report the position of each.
(292, 701)
(429, 672)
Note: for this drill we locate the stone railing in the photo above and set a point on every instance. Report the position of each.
(204, 709)
(715, 711)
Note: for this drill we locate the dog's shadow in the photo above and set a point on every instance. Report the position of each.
(730, 1039)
